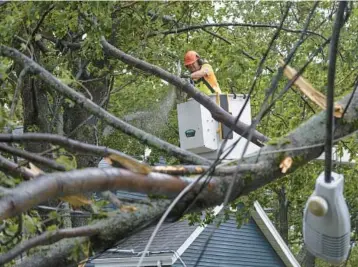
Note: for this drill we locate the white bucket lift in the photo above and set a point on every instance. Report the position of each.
(201, 134)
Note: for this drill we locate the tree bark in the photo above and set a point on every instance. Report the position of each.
(32, 193)
(110, 231)
(74, 116)
(283, 213)
(36, 111)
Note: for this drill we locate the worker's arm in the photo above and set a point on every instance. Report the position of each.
(204, 71)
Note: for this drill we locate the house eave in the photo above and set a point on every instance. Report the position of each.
(273, 237)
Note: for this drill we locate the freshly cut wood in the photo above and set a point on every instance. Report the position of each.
(308, 90)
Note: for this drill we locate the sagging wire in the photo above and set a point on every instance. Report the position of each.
(272, 90)
(247, 98)
(209, 172)
(330, 92)
(258, 73)
(265, 102)
(212, 167)
(228, 195)
(262, 113)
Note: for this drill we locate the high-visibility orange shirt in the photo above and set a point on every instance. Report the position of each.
(210, 78)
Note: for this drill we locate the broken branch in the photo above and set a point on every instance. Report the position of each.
(197, 169)
(308, 90)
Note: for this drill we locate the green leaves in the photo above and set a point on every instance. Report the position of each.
(68, 161)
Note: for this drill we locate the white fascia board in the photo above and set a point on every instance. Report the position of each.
(133, 262)
(273, 236)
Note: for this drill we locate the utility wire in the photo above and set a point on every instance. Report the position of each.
(218, 160)
(330, 90)
(221, 150)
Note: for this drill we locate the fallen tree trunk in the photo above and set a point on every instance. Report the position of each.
(31, 193)
(109, 232)
(303, 144)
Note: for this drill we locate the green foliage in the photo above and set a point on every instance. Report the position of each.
(129, 27)
(79, 251)
(201, 218)
(68, 161)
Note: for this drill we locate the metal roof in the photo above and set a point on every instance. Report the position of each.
(179, 244)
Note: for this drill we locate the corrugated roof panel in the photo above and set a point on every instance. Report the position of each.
(170, 237)
(231, 247)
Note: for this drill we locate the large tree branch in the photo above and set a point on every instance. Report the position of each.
(128, 162)
(303, 144)
(230, 24)
(217, 112)
(109, 232)
(61, 184)
(98, 111)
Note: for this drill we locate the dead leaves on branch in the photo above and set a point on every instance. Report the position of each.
(75, 200)
(79, 200)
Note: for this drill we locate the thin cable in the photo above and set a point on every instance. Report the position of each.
(214, 164)
(272, 90)
(258, 72)
(292, 149)
(330, 90)
(218, 160)
(279, 75)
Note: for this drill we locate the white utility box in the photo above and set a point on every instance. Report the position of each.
(201, 134)
(197, 129)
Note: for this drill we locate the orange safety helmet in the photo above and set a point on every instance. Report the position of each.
(190, 57)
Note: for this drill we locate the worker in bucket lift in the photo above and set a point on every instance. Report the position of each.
(202, 73)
